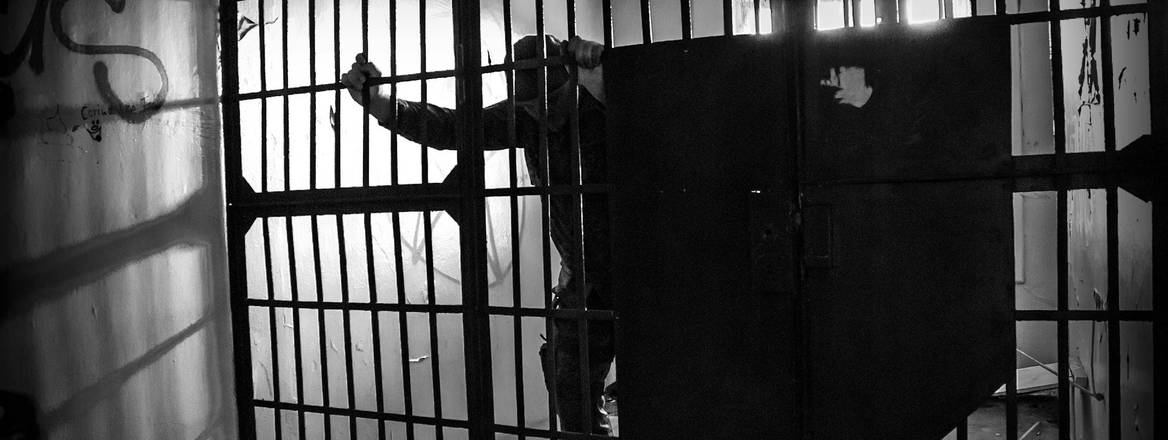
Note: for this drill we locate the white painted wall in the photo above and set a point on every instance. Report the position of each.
(114, 315)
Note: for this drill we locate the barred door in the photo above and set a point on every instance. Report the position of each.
(363, 309)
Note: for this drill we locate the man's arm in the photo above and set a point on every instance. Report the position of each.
(435, 126)
(426, 124)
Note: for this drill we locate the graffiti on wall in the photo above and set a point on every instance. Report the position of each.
(31, 48)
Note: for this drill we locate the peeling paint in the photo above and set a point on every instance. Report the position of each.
(853, 88)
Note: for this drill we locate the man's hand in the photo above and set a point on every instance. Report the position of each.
(587, 56)
(586, 53)
(354, 80)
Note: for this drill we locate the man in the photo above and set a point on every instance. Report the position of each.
(434, 127)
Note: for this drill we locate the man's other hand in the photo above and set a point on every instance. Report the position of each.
(586, 53)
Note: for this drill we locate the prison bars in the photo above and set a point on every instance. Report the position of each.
(263, 206)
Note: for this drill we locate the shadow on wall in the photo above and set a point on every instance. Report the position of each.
(113, 317)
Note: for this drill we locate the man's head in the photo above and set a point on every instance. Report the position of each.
(526, 80)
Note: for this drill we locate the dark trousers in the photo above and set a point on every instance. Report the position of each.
(562, 361)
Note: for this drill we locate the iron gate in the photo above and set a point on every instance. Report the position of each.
(373, 200)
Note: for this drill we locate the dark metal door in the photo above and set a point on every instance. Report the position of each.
(902, 316)
(702, 257)
(909, 276)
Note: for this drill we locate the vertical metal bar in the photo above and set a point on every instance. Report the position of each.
(545, 202)
(275, 350)
(236, 226)
(963, 430)
(727, 17)
(284, 65)
(403, 328)
(1012, 400)
(646, 23)
(1063, 333)
(371, 273)
(288, 231)
(513, 199)
(1107, 92)
(425, 150)
(322, 333)
(228, 13)
(847, 13)
(606, 14)
(856, 21)
(296, 349)
(1060, 147)
(312, 96)
(973, 7)
(1000, 7)
(337, 93)
(345, 319)
(577, 198)
(902, 11)
(263, 101)
(1158, 90)
(686, 20)
(370, 269)
(476, 319)
(947, 8)
(395, 217)
(240, 318)
(757, 18)
(1114, 396)
(432, 318)
(1056, 81)
(798, 30)
(365, 98)
(393, 162)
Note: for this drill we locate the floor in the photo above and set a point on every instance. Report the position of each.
(1037, 419)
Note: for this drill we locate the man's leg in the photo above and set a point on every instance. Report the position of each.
(566, 371)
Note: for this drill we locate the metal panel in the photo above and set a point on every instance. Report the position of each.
(698, 129)
(908, 102)
(910, 322)
(911, 281)
(913, 298)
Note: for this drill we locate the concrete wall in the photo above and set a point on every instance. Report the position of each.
(114, 313)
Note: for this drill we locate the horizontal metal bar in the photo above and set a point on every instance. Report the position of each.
(390, 198)
(1140, 155)
(587, 188)
(360, 306)
(598, 315)
(1084, 315)
(397, 79)
(1141, 159)
(530, 63)
(1037, 17)
(374, 415)
(439, 74)
(532, 432)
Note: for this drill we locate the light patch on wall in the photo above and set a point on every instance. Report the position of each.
(853, 88)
